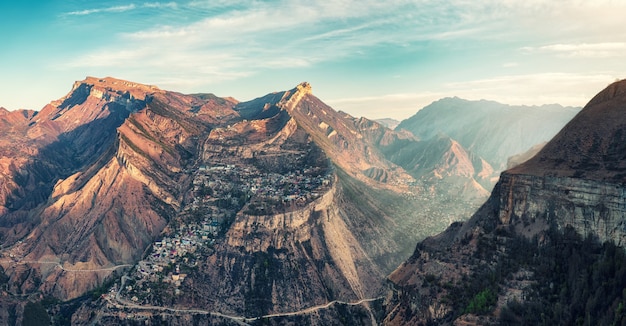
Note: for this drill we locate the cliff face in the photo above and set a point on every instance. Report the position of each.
(577, 179)
(285, 262)
(591, 207)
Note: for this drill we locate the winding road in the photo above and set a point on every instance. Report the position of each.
(120, 303)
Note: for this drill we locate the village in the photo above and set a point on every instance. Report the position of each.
(220, 192)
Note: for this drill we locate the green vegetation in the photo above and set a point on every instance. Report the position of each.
(575, 281)
(482, 303)
(579, 282)
(35, 315)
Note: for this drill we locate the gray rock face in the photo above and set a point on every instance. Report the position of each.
(591, 207)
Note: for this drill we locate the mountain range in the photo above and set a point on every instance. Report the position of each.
(489, 129)
(271, 206)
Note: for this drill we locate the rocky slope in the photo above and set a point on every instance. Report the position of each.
(491, 130)
(491, 268)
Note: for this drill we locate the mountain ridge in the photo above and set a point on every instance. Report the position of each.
(492, 130)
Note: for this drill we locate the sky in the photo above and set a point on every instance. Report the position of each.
(377, 59)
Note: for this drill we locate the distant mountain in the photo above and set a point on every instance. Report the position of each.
(268, 206)
(492, 130)
(388, 122)
(546, 248)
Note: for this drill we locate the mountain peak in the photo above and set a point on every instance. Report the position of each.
(304, 87)
(591, 145)
(613, 91)
(109, 84)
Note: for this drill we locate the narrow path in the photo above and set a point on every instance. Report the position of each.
(315, 308)
(120, 303)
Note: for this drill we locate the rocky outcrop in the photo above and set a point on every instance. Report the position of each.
(286, 262)
(591, 207)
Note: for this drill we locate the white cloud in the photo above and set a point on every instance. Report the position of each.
(160, 5)
(98, 10)
(585, 50)
(123, 8)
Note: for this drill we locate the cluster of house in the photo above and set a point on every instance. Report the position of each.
(177, 249)
(229, 182)
(219, 192)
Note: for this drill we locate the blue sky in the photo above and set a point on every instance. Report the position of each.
(368, 58)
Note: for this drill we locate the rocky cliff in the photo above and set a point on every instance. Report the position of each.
(590, 207)
(577, 178)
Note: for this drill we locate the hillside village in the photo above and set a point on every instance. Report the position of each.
(220, 192)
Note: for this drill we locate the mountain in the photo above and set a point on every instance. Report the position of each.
(491, 130)
(546, 247)
(153, 198)
(93, 178)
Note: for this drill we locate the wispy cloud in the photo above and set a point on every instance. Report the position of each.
(123, 8)
(586, 50)
(99, 10)
(289, 33)
(160, 5)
